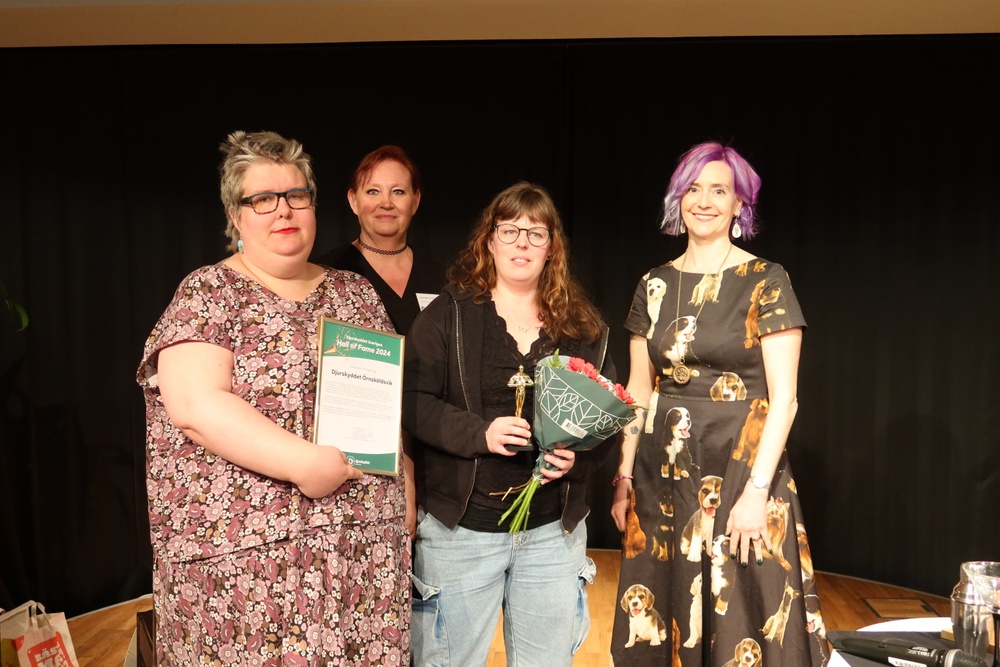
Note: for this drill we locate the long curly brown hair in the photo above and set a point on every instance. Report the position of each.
(564, 308)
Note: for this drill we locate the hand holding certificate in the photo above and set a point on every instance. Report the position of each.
(359, 392)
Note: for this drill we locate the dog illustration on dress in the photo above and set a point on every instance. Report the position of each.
(777, 529)
(651, 411)
(678, 424)
(697, 534)
(753, 427)
(644, 622)
(729, 387)
(723, 574)
(655, 291)
(695, 621)
(663, 532)
(675, 648)
(707, 289)
(805, 558)
(634, 539)
(814, 617)
(774, 627)
(682, 329)
(759, 297)
(746, 653)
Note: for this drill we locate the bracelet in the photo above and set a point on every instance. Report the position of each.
(619, 478)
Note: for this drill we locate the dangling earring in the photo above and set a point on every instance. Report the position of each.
(239, 245)
(737, 230)
(681, 229)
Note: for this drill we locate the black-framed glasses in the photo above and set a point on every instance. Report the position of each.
(509, 233)
(267, 202)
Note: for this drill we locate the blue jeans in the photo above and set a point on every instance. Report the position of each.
(462, 577)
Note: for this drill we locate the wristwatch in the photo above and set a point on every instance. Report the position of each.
(760, 482)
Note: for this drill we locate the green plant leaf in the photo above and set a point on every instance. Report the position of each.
(18, 316)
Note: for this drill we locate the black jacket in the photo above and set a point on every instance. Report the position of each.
(442, 406)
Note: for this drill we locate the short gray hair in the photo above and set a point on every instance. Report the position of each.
(243, 150)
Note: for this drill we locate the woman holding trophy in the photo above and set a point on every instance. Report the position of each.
(510, 304)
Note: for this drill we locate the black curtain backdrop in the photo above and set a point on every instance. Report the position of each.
(879, 158)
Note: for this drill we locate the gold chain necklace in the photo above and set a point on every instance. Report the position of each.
(682, 374)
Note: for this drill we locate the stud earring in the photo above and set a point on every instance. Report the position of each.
(737, 230)
(239, 245)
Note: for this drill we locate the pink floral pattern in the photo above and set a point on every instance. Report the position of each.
(248, 570)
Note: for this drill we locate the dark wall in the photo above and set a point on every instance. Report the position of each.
(880, 170)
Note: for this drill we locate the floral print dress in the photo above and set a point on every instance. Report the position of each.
(683, 600)
(247, 570)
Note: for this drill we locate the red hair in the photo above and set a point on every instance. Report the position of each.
(388, 153)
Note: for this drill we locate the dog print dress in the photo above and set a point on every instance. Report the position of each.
(683, 600)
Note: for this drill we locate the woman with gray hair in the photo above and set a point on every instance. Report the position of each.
(267, 548)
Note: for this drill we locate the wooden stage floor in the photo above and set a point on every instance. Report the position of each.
(102, 637)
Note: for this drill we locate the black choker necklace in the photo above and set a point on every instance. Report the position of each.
(379, 251)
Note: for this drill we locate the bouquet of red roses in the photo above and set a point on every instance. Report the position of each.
(576, 408)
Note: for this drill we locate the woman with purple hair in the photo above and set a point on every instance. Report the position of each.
(716, 568)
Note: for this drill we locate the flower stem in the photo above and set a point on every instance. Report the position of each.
(521, 508)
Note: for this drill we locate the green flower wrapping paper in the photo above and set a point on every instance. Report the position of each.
(575, 408)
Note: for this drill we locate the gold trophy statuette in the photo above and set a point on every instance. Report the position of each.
(519, 381)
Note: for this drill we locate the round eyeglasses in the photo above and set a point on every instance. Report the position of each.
(509, 233)
(267, 202)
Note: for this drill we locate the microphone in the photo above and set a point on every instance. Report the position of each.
(904, 655)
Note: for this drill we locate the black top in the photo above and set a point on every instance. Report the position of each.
(443, 402)
(426, 277)
(499, 473)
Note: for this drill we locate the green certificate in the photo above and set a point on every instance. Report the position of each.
(359, 394)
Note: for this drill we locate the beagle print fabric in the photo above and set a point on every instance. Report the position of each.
(679, 588)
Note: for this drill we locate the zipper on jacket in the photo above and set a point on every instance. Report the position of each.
(565, 506)
(465, 394)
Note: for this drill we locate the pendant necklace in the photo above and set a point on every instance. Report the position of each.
(518, 325)
(682, 374)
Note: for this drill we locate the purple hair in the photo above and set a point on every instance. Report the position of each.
(746, 184)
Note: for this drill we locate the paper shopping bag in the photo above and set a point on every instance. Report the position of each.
(31, 637)
(48, 646)
(13, 625)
